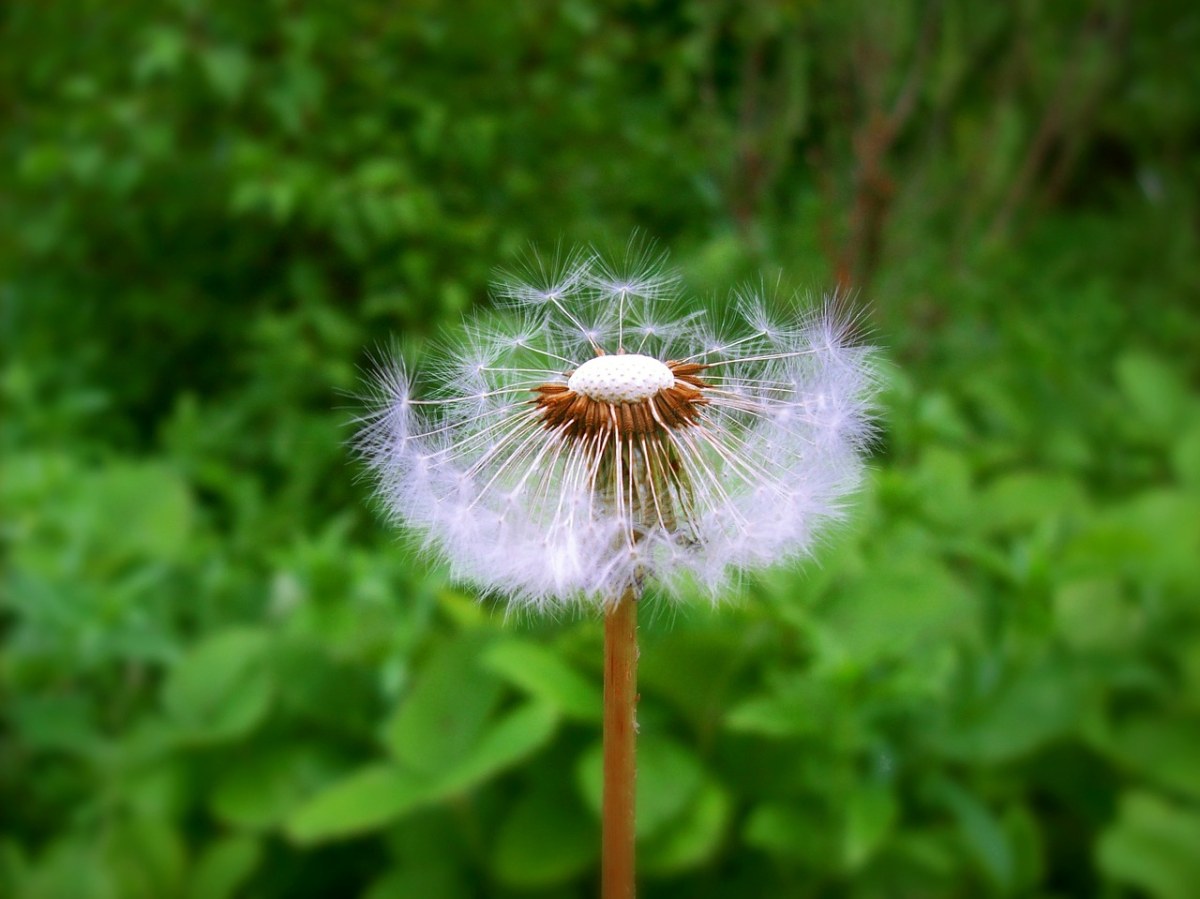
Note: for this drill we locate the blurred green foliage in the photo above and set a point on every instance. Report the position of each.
(220, 676)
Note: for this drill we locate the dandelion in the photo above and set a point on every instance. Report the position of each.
(592, 441)
(592, 437)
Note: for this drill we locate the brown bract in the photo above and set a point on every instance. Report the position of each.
(580, 416)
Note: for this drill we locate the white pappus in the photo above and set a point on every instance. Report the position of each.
(590, 436)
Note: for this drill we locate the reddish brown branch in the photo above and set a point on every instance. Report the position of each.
(1069, 114)
(872, 143)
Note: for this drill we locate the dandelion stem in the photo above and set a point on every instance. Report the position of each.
(620, 736)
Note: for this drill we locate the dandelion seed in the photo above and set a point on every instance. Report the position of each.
(595, 440)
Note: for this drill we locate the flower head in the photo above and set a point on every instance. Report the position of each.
(593, 436)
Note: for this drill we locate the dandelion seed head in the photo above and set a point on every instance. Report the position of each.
(588, 438)
(624, 378)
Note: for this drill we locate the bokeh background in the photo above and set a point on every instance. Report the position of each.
(221, 676)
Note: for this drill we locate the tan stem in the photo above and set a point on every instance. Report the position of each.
(620, 737)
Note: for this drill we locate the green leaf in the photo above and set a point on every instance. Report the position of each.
(1165, 751)
(1171, 519)
(73, 866)
(871, 812)
(262, 787)
(515, 736)
(693, 666)
(693, 838)
(223, 867)
(1029, 847)
(158, 789)
(220, 690)
(1189, 663)
(1021, 500)
(317, 686)
(791, 833)
(1091, 614)
(981, 831)
(1155, 392)
(546, 839)
(942, 480)
(430, 856)
(227, 70)
(442, 719)
(1153, 537)
(941, 419)
(64, 723)
(162, 53)
(1185, 457)
(365, 800)
(668, 778)
(1032, 709)
(147, 857)
(904, 605)
(1152, 846)
(800, 704)
(418, 880)
(378, 794)
(543, 674)
(140, 510)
